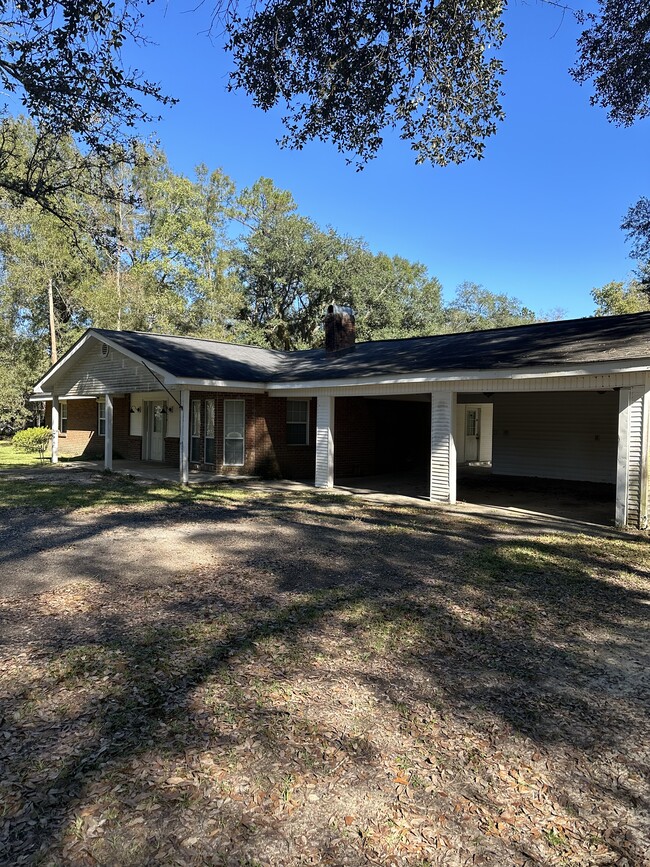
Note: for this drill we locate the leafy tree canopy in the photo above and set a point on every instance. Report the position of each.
(475, 308)
(614, 53)
(61, 59)
(616, 297)
(346, 71)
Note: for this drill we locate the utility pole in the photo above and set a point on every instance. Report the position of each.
(50, 300)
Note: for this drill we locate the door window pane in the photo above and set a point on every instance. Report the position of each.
(195, 448)
(209, 432)
(233, 433)
(158, 418)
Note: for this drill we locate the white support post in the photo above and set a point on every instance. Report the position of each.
(184, 443)
(55, 429)
(443, 448)
(325, 442)
(108, 434)
(622, 457)
(632, 458)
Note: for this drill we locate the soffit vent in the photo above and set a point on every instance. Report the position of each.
(104, 350)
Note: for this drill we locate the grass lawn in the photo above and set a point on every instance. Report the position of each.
(337, 683)
(11, 458)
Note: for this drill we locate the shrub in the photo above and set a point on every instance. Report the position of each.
(33, 440)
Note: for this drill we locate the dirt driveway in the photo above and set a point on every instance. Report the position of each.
(254, 678)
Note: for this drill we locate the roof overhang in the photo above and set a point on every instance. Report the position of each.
(599, 368)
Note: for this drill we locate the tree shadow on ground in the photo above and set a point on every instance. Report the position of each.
(346, 684)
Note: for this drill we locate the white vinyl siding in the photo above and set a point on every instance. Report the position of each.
(297, 422)
(210, 456)
(325, 410)
(90, 374)
(443, 452)
(569, 436)
(233, 433)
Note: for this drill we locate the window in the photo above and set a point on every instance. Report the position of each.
(233, 433)
(297, 422)
(63, 418)
(195, 432)
(101, 419)
(209, 432)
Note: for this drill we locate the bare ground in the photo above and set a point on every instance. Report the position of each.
(294, 679)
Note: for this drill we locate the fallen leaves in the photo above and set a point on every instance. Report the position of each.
(263, 711)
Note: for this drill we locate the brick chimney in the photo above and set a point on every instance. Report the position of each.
(340, 331)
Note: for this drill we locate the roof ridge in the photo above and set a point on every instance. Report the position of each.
(188, 337)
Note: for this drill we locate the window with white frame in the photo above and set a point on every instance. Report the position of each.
(297, 422)
(101, 419)
(63, 417)
(210, 457)
(233, 433)
(195, 432)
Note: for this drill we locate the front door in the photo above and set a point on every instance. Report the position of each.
(155, 416)
(472, 433)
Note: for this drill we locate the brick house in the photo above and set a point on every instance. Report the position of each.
(559, 400)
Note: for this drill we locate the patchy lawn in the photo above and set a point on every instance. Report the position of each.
(328, 682)
(11, 458)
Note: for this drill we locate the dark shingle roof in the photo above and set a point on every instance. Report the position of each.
(569, 342)
(199, 359)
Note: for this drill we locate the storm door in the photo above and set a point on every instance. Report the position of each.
(155, 415)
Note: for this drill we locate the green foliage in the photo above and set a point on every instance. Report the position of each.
(290, 269)
(63, 60)
(637, 227)
(614, 54)
(615, 298)
(345, 72)
(33, 440)
(475, 308)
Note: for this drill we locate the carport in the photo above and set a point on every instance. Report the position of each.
(549, 452)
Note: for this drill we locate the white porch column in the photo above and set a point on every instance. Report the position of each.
(324, 442)
(443, 447)
(632, 458)
(184, 441)
(55, 429)
(108, 434)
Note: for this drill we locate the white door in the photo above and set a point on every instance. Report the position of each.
(472, 433)
(155, 416)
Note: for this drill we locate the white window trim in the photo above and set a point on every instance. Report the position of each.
(243, 437)
(101, 418)
(63, 417)
(306, 401)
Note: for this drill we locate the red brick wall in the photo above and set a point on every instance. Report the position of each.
(380, 436)
(82, 439)
(275, 457)
(371, 436)
(355, 437)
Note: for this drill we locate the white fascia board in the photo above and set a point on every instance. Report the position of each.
(36, 398)
(102, 339)
(216, 384)
(593, 369)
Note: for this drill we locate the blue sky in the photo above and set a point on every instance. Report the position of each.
(538, 218)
